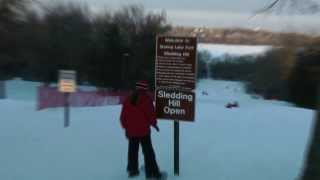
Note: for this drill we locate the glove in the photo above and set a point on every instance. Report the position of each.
(156, 128)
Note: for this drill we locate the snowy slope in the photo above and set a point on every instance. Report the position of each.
(218, 50)
(261, 140)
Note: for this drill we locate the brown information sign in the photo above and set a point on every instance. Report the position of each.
(175, 104)
(176, 62)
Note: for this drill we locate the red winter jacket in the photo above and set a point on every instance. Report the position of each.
(137, 119)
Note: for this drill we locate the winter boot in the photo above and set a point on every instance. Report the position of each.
(160, 176)
(133, 174)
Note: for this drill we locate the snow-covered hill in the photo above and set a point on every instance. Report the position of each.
(260, 140)
(218, 50)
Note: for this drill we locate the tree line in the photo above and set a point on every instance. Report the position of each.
(109, 49)
(289, 73)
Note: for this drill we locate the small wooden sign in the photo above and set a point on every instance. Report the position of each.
(67, 81)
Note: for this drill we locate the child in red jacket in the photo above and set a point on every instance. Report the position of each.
(137, 115)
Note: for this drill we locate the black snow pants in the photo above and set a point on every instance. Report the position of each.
(151, 166)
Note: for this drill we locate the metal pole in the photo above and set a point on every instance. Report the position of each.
(66, 110)
(176, 148)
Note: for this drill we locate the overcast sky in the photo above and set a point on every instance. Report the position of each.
(214, 13)
(222, 5)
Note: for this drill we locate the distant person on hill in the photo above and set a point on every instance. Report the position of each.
(137, 115)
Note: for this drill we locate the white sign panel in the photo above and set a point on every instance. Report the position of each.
(67, 81)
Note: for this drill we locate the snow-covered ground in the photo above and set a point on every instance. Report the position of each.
(218, 50)
(260, 140)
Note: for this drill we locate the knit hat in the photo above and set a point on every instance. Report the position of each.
(143, 85)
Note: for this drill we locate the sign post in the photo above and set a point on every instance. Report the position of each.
(176, 148)
(175, 82)
(67, 85)
(66, 110)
